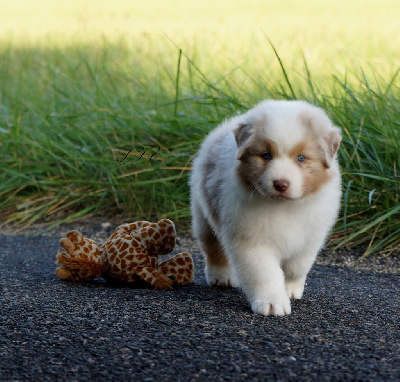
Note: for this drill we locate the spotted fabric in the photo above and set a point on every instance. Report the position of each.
(130, 254)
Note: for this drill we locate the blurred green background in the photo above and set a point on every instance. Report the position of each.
(85, 83)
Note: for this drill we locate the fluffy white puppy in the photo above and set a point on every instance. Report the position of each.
(265, 192)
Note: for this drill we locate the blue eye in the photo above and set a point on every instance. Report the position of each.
(301, 158)
(266, 156)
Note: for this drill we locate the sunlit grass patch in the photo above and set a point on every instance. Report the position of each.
(79, 106)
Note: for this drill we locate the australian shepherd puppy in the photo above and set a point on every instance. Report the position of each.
(265, 192)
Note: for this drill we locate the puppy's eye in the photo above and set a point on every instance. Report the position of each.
(266, 156)
(301, 158)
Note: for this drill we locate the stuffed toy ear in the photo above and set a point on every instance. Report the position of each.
(75, 236)
(67, 244)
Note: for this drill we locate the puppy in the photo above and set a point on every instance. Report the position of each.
(265, 192)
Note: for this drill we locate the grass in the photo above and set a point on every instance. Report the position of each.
(96, 122)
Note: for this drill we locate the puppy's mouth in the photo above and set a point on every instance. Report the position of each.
(272, 194)
(279, 197)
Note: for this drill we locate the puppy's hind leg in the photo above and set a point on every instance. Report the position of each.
(217, 269)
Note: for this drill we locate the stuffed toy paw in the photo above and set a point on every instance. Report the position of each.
(129, 255)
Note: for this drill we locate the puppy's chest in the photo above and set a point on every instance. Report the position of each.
(288, 230)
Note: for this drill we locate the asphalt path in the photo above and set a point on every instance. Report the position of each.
(347, 327)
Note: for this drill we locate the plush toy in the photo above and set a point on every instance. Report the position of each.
(129, 255)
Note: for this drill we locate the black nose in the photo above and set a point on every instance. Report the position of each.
(281, 185)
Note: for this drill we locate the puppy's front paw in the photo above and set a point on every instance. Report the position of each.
(220, 276)
(294, 289)
(268, 307)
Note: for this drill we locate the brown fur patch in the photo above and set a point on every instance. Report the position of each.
(212, 248)
(180, 261)
(326, 139)
(252, 165)
(314, 168)
(245, 133)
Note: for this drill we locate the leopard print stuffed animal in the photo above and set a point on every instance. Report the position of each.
(129, 255)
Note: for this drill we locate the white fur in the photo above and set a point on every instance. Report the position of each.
(271, 243)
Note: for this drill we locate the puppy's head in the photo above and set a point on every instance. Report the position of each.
(286, 149)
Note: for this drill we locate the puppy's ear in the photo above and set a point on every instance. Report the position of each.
(328, 136)
(242, 135)
(330, 142)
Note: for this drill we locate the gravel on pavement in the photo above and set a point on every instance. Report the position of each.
(346, 327)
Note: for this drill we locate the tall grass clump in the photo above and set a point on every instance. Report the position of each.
(86, 131)
(78, 139)
(370, 159)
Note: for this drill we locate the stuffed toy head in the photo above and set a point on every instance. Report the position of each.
(80, 258)
(129, 255)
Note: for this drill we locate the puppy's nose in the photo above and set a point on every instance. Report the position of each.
(281, 185)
